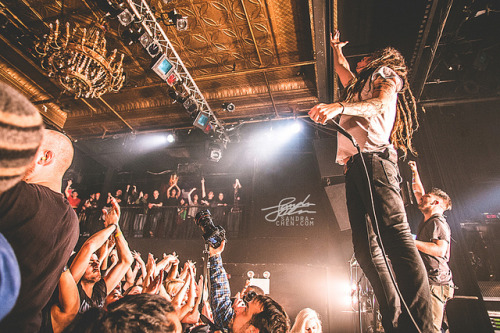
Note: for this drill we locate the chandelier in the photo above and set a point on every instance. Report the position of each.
(78, 61)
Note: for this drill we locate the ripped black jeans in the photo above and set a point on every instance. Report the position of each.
(395, 233)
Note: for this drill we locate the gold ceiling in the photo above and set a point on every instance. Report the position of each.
(257, 54)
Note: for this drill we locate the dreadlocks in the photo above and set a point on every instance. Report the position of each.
(406, 122)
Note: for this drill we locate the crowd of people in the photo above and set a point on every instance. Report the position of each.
(103, 286)
(163, 214)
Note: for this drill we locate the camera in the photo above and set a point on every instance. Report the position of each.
(212, 234)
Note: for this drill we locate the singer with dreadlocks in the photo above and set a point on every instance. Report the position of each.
(379, 111)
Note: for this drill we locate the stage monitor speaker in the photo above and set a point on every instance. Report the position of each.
(336, 196)
(466, 314)
(326, 153)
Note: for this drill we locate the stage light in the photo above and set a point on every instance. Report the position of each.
(125, 17)
(229, 107)
(250, 274)
(152, 46)
(153, 49)
(145, 39)
(176, 95)
(266, 275)
(172, 79)
(163, 67)
(214, 152)
(191, 106)
(296, 127)
(170, 138)
(155, 140)
(202, 121)
(180, 22)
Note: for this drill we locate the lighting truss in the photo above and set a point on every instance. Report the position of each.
(143, 14)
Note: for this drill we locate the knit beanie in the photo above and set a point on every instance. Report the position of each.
(21, 131)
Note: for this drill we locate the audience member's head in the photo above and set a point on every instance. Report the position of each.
(133, 313)
(113, 296)
(307, 321)
(133, 290)
(445, 198)
(264, 314)
(435, 201)
(142, 313)
(93, 272)
(21, 132)
(52, 160)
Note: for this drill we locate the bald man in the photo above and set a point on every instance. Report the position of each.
(42, 228)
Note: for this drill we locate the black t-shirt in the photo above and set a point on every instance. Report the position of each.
(211, 202)
(172, 202)
(155, 201)
(42, 228)
(98, 298)
(437, 267)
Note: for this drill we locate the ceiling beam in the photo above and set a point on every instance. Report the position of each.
(318, 17)
(422, 42)
(116, 113)
(419, 85)
(454, 101)
(260, 58)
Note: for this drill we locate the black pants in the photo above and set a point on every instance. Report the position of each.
(395, 233)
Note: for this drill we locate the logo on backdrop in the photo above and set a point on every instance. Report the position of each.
(289, 213)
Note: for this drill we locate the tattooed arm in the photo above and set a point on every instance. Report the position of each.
(383, 91)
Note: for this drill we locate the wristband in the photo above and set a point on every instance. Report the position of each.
(118, 234)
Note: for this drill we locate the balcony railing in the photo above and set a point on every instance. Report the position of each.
(169, 222)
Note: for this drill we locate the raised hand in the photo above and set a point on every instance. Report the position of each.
(136, 255)
(413, 166)
(218, 250)
(150, 265)
(113, 215)
(335, 40)
(171, 258)
(154, 287)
